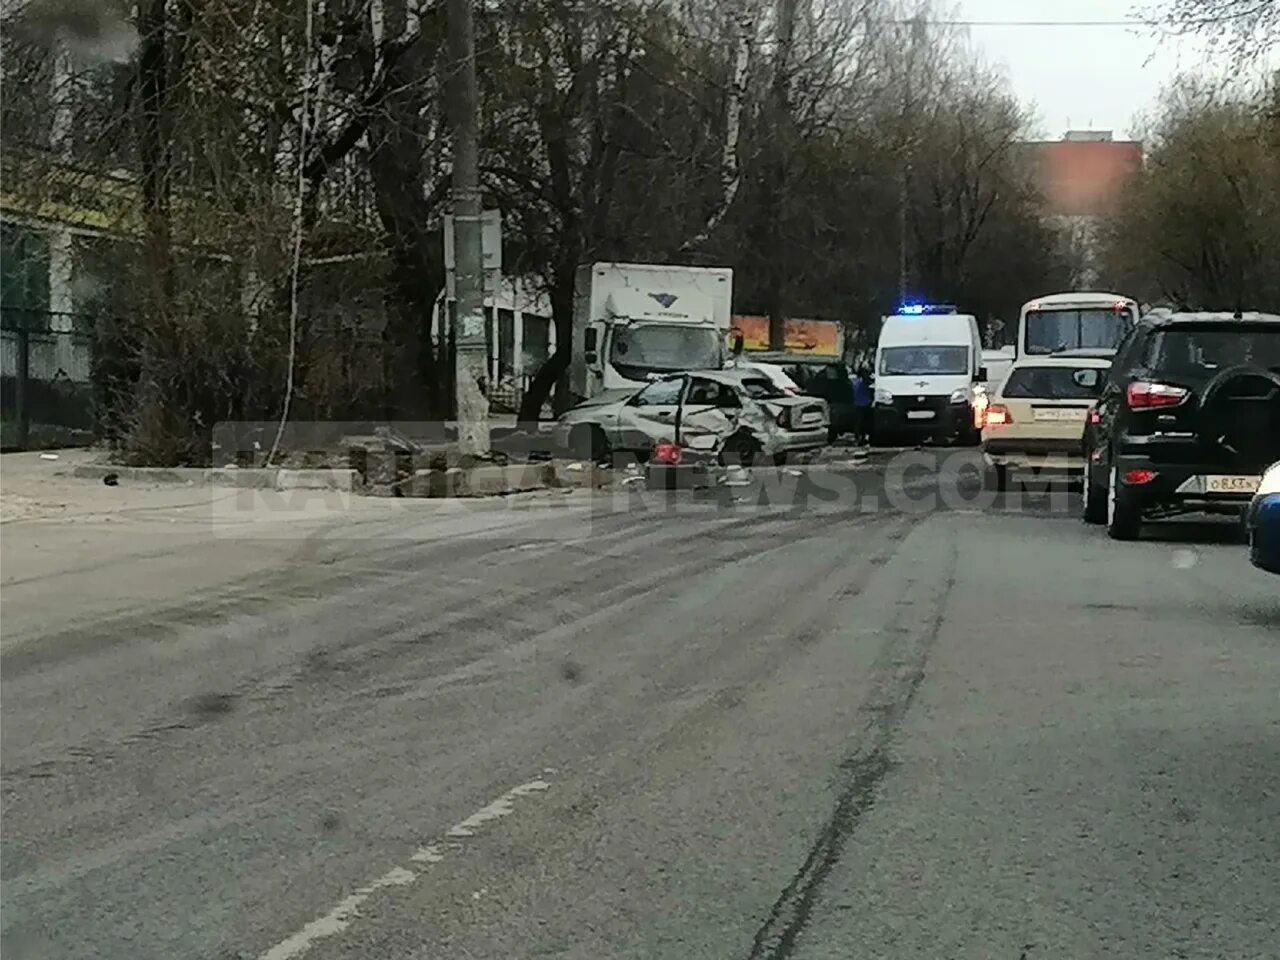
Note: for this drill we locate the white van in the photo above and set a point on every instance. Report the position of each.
(928, 362)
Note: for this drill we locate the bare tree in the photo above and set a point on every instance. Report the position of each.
(1248, 29)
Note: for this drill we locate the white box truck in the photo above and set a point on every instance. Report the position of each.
(633, 321)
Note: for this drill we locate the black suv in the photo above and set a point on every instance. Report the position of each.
(1188, 420)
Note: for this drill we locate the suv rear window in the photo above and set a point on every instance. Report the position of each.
(1051, 383)
(1194, 355)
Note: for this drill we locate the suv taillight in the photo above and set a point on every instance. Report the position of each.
(1144, 395)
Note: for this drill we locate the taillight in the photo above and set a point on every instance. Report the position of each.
(1144, 395)
(1135, 478)
(667, 453)
(1095, 416)
(997, 415)
(791, 390)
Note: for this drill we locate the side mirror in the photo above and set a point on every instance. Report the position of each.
(981, 376)
(1088, 378)
(590, 343)
(738, 342)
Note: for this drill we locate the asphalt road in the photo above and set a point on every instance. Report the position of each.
(895, 721)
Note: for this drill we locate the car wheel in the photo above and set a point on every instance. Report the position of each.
(741, 449)
(1094, 508)
(1124, 510)
(588, 442)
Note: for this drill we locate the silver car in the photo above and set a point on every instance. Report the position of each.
(709, 406)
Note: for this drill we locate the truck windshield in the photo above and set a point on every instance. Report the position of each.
(924, 360)
(1051, 331)
(664, 348)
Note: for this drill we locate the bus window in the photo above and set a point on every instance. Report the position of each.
(1047, 328)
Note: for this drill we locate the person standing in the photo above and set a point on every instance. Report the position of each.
(862, 398)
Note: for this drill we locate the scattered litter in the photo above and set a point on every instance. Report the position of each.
(1184, 559)
(574, 466)
(111, 479)
(792, 472)
(636, 478)
(48, 456)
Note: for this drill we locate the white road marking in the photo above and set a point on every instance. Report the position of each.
(339, 918)
(499, 808)
(348, 909)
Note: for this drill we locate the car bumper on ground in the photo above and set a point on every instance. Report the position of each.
(1262, 520)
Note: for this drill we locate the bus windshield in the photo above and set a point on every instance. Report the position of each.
(1052, 331)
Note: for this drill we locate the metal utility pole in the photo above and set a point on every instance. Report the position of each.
(471, 356)
(776, 174)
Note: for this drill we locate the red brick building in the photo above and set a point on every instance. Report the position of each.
(1080, 179)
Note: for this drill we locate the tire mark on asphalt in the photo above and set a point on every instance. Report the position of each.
(456, 623)
(898, 672)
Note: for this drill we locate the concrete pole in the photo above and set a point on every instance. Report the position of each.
(471, 356)
(919, 36)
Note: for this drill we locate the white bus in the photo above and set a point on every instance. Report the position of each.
(1074, 321)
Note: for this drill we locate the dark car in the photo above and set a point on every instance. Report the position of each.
(1188, 421)
(820, 377)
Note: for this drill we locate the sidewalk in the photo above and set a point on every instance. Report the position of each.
(75, 553)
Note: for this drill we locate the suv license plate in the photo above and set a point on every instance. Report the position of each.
(919, 414)
(1232, 484)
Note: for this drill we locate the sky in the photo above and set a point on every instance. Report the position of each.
(1081, 77)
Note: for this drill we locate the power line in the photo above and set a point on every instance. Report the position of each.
(1029, 23)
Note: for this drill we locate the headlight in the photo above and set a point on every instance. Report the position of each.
(883, 396)
(1270, 481)
(960, 395)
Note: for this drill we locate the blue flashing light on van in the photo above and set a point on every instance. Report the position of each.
(925, 309)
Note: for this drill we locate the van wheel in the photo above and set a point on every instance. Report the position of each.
(1124, 510)
(1000, 477)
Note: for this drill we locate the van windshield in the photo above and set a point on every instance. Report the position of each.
(1052, 331)
(924, 360)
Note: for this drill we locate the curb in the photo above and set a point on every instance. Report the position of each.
(259, 478)
(496, 481)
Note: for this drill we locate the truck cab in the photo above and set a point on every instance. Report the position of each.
(635, 322)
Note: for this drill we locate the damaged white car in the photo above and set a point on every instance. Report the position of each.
(746, 414)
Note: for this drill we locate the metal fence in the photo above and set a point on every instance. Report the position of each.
(46, 390)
